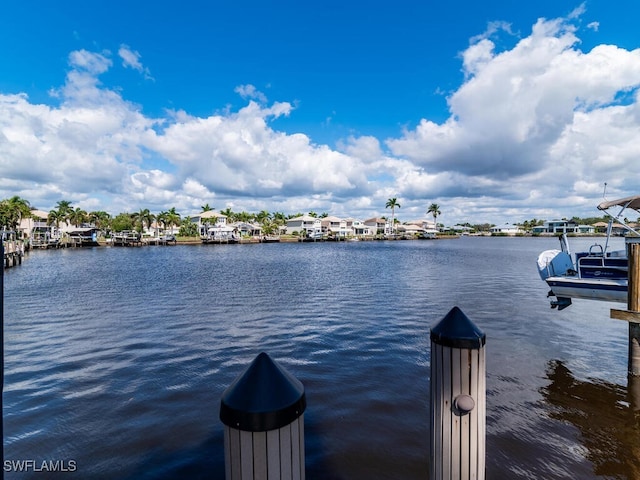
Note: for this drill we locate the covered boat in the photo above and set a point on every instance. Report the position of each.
(596, 274)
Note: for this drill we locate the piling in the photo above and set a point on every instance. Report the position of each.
(632, 313)
(263, 414)
(458, 399)
(1, 349)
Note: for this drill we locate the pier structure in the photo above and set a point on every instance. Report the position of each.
(12, 249)
(632, 313)
(263, 414)
(458, 399)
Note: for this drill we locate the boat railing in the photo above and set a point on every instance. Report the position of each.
(594, 247)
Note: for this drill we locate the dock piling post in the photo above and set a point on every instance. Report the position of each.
(633, 305)
(458, 399)
(632, 313)
(262, 411)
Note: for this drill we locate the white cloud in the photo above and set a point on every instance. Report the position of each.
(250, 92)
(542, 112)
(131, 59)
(531, 126)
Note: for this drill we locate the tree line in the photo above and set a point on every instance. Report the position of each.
(16, 208)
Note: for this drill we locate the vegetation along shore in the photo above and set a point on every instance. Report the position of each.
(65, 224)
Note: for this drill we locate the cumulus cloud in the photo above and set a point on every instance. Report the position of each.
(542, 111)
(530, 124)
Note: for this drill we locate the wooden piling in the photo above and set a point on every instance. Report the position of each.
(262, 411)
(632, 313)
(458, 399)
(1, 347)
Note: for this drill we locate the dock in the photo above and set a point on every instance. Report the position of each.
(12, 249)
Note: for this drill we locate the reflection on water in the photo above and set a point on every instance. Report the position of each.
(117, 358)
(606, 415)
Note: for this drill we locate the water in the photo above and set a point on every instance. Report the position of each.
(116, 358)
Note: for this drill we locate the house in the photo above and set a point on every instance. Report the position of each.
(39, 232)
(208, 219)
(564, 226)
(335, 226)
(247, 229)
(409, 229)
(506, 229)
(426, 225)
(304, 223)
(462, 229)
(378, 225)
(359, 229)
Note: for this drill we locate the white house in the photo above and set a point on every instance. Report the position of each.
(335, 226)
(506, 229)
(209, 219)
(304, 223)
(563, 226)
(359, 229)
(376, 224)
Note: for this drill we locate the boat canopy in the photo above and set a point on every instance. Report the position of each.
(628, 202)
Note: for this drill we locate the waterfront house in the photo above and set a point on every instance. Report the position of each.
(305, 224)
(426, 225)
(409, 229)
(208, 219)
(335, 226)
(377, 225)
(506, 229)
(563, 226)
(359, 229)
(462, 229)
(247, 229)
(40, 234)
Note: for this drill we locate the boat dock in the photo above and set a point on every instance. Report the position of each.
(12, 249)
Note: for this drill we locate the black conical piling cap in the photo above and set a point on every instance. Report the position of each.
(455, 330)
(264, 397)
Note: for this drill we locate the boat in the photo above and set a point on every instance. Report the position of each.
(219, 234)
(270, 238)
(82, 236)
(44, 236)
(598, 273)
(126, 238)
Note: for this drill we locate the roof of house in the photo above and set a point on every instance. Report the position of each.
(210, 214)
(39, 214)
(304, 218)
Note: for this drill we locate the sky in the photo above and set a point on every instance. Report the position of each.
(497, 111)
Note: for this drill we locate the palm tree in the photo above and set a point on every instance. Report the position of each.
(434, 209)
(55, 217)
(144, 216)
(77, 217)
(172, 217)
(279, 220)
(162, 219)
(100, 219)
(243, 216)
(206, 208)
(392, 203)
(227, 212)
(64, 209)
(13, 210)
(262, 217)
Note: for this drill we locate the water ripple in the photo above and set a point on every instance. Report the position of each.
(117, 358)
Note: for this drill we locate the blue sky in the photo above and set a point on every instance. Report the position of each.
(498, 111)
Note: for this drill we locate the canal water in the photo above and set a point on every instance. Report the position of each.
(116, 358)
